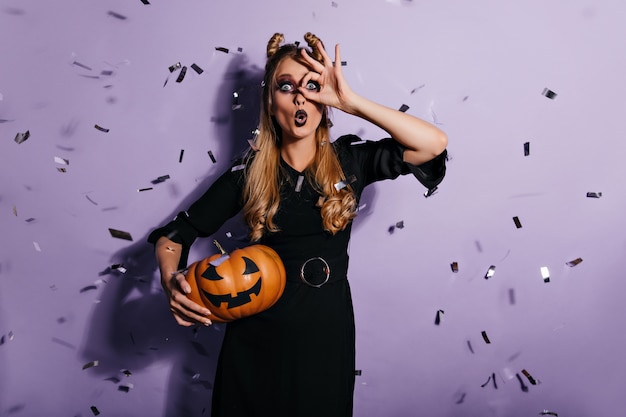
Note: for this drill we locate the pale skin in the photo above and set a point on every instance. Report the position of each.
(422, 142)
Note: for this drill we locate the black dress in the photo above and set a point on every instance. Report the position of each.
(296, 358)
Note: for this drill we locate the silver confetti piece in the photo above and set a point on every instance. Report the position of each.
(91, 364)
(545, 274)
(344, 183)
(299, 183)
(237, 167)
(217, 262)
(61, 161)
(490, 272)
(21, 137)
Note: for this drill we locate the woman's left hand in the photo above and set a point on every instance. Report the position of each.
(334, 90)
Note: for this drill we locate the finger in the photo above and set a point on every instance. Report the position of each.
(188, 307)
(337, 56)
(182, 283)
(314, 64)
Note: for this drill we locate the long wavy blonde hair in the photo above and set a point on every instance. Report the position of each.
(262, 187)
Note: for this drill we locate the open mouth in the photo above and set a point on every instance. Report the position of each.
(300, 118)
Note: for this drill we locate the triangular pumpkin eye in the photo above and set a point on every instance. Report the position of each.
(250, 266)
(211, 274)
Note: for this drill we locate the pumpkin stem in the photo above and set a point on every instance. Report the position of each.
(216, 243)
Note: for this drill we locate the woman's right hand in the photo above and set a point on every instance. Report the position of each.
(185, 311)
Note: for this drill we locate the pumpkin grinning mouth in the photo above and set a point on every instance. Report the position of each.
(240, 299)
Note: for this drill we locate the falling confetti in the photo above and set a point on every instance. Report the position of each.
(174, 67)
(181, 75)
(144, 189)
(523, 386)
(594, 195)
(145, 1)
(545, 274)
(438, 317)
(61, 161)
(548, 413)
(221, 49)
(212, 156)
(236, 105)
(120, 234)
(530, 378)
(91, 364)
(101, 129)
(518, 224)
(526, 148)
(94, 410)
(455, 267)
(21, 137)
(490, 272)
(430, 192)
(403, 108)
(180, 157)
(469, 346)
(160, 179)
(344, 183)
(196, 68)
(485, 338)
(574, 262)
(299, 183)
(549, 93)
(358, 372)
(237, 167)
(511, 296)
(37, 247)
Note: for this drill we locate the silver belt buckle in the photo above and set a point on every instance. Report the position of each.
(325, 269)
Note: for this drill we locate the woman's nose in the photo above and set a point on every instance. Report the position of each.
(299, 98)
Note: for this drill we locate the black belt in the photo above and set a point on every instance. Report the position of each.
(317, 271)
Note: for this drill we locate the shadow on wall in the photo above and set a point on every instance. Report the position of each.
(132, 328)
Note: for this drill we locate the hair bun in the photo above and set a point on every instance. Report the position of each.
(312, 40)
(274, 44)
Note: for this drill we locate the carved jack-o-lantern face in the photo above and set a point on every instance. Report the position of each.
(245, 282)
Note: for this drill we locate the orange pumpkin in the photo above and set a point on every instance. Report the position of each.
(240, 284)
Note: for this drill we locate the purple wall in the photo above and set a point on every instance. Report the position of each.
(478, 69)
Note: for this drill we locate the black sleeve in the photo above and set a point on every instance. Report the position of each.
(383, 159)
(205, 216)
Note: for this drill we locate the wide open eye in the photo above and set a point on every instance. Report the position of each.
(312, 86)
(285, 86)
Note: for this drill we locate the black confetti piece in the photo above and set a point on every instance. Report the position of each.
(94, 410)
(548, 413)
(196, 68)
(132, 338)
(403, 108)
(438, 317)
(145, 189)
(594, 195)
(126, 372)
(574, 262)
(90, 200)
(123, 388)
(181, 75)
(200, 350)
(113, 379)
(180, 157)
(117, 15)
(454, 266)
(145, 1)
(518, 224)
(357, 372)
(485, 338)
(174, 67)
(486, 382)
(493, 378)
(160, 179)
(469, 346)
(21, 137)
(221, 49)
(212, 156)
(526, 148)
(120, 234)
(101, 129)
(530, 378)
(549, 93)
(490, 272)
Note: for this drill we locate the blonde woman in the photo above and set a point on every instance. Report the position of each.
(299, 193)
